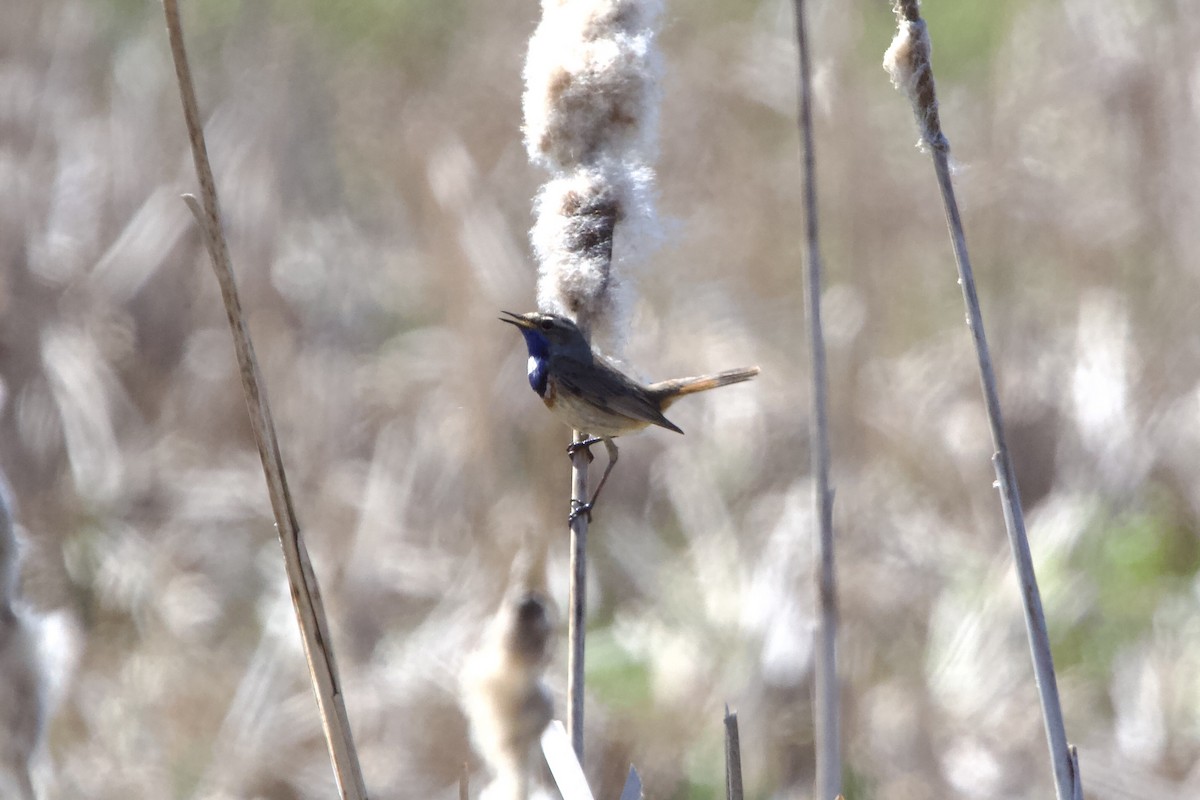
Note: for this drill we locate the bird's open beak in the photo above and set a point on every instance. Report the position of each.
(517, 319)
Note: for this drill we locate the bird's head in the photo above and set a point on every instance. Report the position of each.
(546, 333)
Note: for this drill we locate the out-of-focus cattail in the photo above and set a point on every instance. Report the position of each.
(504, 694)
(22, 691)
(591, 103)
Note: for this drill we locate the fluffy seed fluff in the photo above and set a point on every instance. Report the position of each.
(504, 693)
(908, 63)
(579, 275)
(591, 82)
(901, 58)
(591, 101)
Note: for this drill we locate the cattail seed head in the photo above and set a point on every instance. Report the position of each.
(591, 82)
(908, 62)
(591, 99)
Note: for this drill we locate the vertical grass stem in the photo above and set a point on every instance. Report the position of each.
(733, 758)
(826, 701)
(577, 621)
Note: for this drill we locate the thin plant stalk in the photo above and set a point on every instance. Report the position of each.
(826, 705)
(306, 595)
(908, 61)
(733, 758)
(576, 623)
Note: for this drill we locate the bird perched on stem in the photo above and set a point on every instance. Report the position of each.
(594, 397)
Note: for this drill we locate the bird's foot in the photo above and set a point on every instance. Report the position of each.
(585, 445)
(580, 508)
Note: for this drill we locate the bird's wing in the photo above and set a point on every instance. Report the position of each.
(605, 387)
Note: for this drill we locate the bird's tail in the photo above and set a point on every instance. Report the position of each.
(666, 392)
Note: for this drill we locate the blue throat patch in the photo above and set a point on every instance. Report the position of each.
(539, 352)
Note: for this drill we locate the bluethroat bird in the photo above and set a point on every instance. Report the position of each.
(594, 397)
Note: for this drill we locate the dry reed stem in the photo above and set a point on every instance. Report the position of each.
(733, 757)
(577, 602)
(826, 701)
(306, 595)
(23, 667)
(909, 63)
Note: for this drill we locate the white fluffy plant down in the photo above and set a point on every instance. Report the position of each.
(591, 105)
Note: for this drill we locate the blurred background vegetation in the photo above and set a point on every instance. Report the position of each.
(377, 197)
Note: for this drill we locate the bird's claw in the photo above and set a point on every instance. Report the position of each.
(578, 507)
(585, 445)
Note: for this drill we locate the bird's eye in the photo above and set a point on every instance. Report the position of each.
(547, 325)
